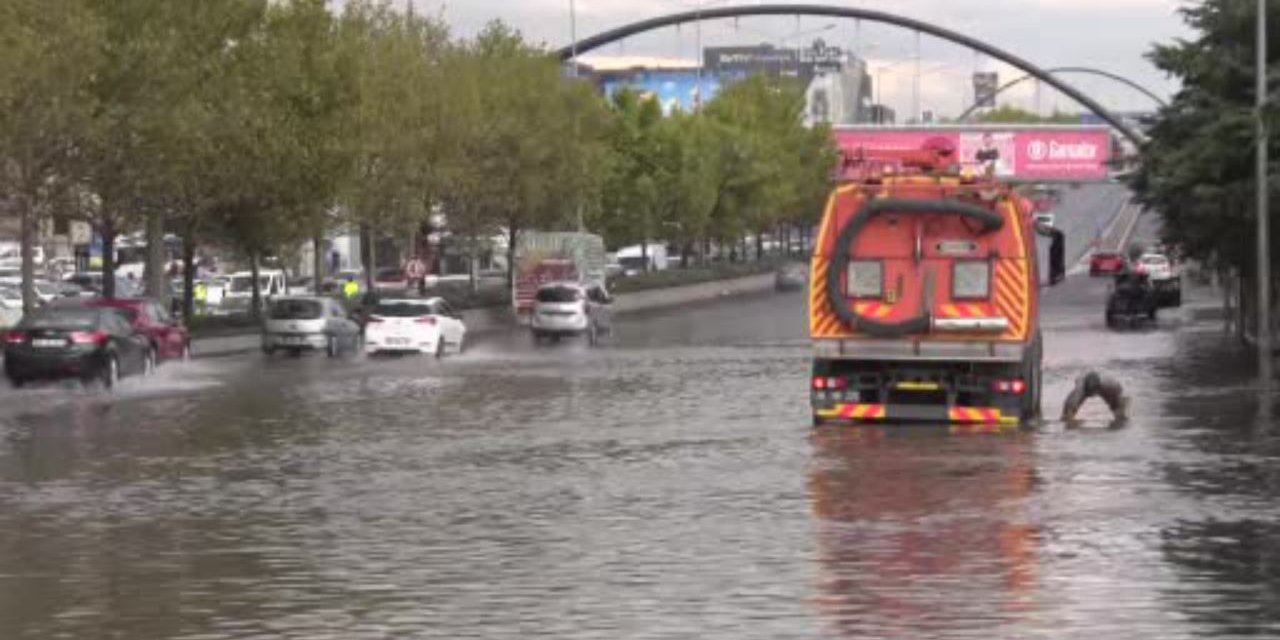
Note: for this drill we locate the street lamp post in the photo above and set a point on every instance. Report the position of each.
(573, 37)
(1264, 244)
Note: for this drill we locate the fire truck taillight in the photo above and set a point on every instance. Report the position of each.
(828, 382)
(1014, 386)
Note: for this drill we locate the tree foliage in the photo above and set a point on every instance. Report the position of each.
(1197, 167)
(262, 124)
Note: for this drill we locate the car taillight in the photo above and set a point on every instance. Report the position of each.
(15, 337)
(426, 320)
(1014, 386)
(828, 382)
(87, 337)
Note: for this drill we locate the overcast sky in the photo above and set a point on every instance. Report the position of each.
(1112, 35)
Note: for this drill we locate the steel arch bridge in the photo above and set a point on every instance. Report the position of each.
(1086, 70)
(870, 15)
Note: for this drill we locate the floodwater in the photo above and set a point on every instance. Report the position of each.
(667, 485)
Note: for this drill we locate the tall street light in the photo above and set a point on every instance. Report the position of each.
(573, 38)
(1264, 244)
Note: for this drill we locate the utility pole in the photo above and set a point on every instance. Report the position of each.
(915, 85)
(573, 38)
(1264, 196)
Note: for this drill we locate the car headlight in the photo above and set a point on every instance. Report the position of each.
(864, 279)
(970, 279)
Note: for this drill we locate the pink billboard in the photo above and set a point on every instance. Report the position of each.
(1014, 153)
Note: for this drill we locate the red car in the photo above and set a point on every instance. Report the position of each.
(169, 339)
(1106, 263)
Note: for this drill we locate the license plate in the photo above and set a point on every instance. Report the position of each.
(397, 342)
(48, 343)
(295, 340)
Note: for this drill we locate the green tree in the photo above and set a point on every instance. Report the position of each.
(1197, 166)
(774, 168)
(393, 122)
(529, 151)
(50, 51)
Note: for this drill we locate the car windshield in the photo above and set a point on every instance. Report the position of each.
(559, 294)
(402, 309)
(1155, 261)
(75, 319)
(389, 274)
(296, 310)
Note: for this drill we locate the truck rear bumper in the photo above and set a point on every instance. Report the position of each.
(918, 350)
(858, 412)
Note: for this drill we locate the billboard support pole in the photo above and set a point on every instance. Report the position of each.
(1261, 179)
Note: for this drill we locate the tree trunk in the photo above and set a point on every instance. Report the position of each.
(512, 233)
(644, 253)
(685, 250)
(373, 259)
(28, 240)
(108, 231)
(706, 251)
(759, 246)
(189, 272)
(472, 263)
(365, 252)
(317, 261)
(255, 303)
(154, 272)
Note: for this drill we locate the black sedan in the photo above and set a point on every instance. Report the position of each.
(73, 342)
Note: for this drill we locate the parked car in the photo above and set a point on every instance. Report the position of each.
(414, 325)
(308, 323)
(75, 342)
(571, 309)
(169, 339)
(92, 282)
(1106, 263)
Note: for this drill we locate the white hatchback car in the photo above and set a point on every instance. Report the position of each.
(426, 325)
(1156, 266)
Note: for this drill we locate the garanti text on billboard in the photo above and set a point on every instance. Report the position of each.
(1030, 153)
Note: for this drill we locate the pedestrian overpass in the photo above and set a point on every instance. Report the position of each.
(579, 47)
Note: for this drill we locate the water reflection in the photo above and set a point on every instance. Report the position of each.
(922, 532)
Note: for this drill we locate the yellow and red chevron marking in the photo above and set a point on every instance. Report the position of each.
(966, 310)
(822, 319)
(985, 415)
(854, 412)
(1012, 296)
(872, 309)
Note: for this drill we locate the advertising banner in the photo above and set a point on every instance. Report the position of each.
(1021, 153)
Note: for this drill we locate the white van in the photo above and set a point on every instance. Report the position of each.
(632, 259)
(237, 295)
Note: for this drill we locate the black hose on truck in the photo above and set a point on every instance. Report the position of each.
(989, 220)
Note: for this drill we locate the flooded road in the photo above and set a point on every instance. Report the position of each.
(667, 485)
